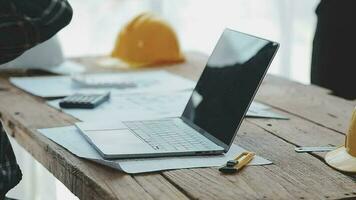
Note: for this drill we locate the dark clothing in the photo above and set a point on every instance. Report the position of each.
(23, 24)
(10, 173)
(334, 54)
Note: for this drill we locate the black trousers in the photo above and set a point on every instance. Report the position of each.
(334, 48)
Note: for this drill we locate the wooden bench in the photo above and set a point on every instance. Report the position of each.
(316, 119)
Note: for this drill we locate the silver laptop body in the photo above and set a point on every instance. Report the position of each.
(212, 115)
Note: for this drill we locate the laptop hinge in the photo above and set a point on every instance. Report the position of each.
(205, 134)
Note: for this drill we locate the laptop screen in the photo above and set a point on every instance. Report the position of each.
(228, 83)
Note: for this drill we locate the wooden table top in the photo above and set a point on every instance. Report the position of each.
(316, 119)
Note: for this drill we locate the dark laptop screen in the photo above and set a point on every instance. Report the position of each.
(228, 83)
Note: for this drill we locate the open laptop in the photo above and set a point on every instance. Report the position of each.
(212, 115)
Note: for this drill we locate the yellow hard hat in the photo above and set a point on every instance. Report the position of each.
(344, 157)
(147, 40)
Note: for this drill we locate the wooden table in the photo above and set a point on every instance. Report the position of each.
(316, 118)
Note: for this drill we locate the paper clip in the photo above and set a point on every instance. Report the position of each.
(232, 166)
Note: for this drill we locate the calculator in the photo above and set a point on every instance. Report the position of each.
(84, 101)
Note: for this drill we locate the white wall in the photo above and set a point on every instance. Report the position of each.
(199, 24)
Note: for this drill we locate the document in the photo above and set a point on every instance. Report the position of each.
(135, 82)
(148, 106)
(260, 110)
(70, 139)
(141, 106)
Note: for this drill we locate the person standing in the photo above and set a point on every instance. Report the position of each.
(334, 56)
(23, 25)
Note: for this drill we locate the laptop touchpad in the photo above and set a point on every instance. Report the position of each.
(118, 142)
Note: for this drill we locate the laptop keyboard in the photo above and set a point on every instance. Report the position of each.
(170, 135)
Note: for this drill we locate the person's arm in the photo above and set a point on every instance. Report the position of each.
(28, 23)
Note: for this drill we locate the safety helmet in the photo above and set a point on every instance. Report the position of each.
(147, 40)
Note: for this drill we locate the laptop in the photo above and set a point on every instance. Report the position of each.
(213, 114)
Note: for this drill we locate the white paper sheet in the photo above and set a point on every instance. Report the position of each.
(65, 68)
(59, 86)
(149, 106)
(132, 107)
(69, 138)
(260, 110)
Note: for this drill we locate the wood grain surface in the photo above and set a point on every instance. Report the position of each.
(316, 119)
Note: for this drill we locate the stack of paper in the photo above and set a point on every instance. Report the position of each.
(135, 95)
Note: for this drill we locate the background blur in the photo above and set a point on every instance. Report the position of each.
(198, 24)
